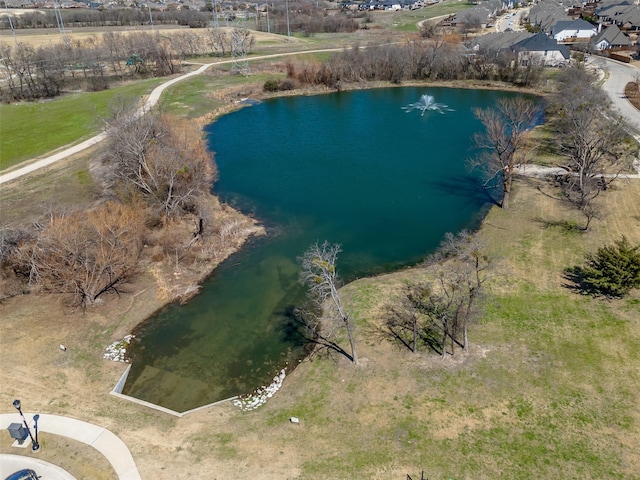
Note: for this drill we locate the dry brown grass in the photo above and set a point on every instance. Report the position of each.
(46, 37)
(77, 458)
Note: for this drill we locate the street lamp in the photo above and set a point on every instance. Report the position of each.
(34, 442)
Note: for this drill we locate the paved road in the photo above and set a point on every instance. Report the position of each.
(619, 75)
(108, 444)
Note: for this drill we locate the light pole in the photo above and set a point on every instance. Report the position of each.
(268, 27)
(34, 442)
(150, 17)
(10, 23)
(288, 30)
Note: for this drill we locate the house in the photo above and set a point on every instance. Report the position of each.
(546, 13)
(572, 30)
(610, 37)
(529, 48)
(625, 16)
(540, 48)
(480, 14)
(496, 42)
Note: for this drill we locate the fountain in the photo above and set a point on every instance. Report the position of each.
(427, 102)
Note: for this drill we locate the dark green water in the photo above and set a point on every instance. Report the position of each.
(351, 168)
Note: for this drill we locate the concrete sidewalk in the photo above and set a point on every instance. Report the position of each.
(108, 444)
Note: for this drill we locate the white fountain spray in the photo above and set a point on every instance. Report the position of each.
(426, 103)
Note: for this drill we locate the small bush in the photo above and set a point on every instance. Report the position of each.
(287, 84)
(271, 85)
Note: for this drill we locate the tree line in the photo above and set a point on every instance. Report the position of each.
(94, 63)
(125, 17)
(303, 17)
(417, 59)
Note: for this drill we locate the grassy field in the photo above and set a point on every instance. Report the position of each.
(549, 389)
(407, 21)
(32, 129)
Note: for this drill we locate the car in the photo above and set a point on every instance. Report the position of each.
(24, 474)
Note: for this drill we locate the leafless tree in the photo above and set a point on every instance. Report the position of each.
(502, 144)
(591, 138)
(165, 161)
(320, 275)
(467, 257)
(472, 23)
(438, 314)
(86, 254)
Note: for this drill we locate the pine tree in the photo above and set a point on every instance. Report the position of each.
(614, 269)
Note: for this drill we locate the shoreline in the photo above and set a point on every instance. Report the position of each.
(199, 278)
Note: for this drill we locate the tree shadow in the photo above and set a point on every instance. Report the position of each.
(575, 281)
(563, 225)
(466, 186)
(303, 328)
(398, 328)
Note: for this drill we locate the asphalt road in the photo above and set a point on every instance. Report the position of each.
(619, 75)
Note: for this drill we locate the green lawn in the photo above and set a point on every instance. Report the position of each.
(31, 129)
(407, 21)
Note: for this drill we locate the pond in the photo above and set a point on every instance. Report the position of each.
(353, 168)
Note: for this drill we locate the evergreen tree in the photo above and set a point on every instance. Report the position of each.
(613, 270)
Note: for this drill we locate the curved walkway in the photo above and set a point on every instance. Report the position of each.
(150, 102)
(107, 443)
(48, 471)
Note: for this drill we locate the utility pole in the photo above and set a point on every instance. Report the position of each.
(288, 29)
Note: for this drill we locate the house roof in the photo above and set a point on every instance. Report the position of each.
(473, 13)
(483, 11)
(540, 42)
(546, 13)
(497, 41)
(620, 13)
(573, 25)
(613, 36)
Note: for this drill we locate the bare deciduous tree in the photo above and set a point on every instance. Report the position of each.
(438, 314)
(86, 254)
(320, 275)
(503, 141)
(165, 161)
(591, 138)
(468, 258)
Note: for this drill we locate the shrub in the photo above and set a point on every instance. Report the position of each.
(271, 85)
(612, 271)
(287, 84)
